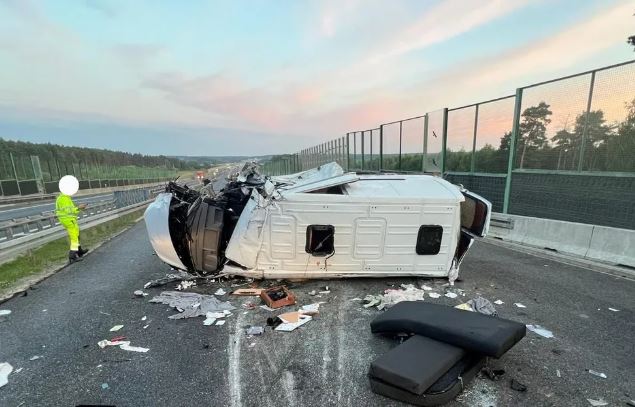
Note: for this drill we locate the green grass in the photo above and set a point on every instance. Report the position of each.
(55, 253)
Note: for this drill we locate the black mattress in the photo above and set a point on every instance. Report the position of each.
(473, 332)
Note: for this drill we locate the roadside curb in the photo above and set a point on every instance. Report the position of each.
(28, 282)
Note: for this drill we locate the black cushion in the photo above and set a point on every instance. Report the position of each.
(416, 364)
(446, 388)
(471, 331)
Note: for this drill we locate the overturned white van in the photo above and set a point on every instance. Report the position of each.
(320, 223)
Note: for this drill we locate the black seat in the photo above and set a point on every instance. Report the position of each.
(473, 332)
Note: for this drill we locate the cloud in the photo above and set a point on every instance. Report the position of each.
(104, 8)
(138, 54)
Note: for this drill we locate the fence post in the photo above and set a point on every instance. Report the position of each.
(363, 136)
(381, 147)
(348, 152)
(473, 161)
(400, 129)
(424, 156)
(37, 173)
(15, 174)
(585, 132)
(444, 140)
(512, 148)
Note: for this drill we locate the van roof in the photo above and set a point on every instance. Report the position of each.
(403, 186)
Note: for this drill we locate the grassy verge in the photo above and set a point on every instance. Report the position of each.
(55, 253)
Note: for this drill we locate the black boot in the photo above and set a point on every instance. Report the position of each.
(73, 256)
(81, 252)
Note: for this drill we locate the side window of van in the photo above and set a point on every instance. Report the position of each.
(429, 239)
(320, 240)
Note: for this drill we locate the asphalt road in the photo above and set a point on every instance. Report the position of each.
(323, 363)
(24, 209)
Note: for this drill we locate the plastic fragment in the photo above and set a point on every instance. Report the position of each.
(144, 318)
(519, 305)
(140, 293)
(220, 291)
(4, 312)
(426, 288)
(451, 295)
(36, 357)
(596, 373)
(434, 295)
(558, 373)
(104, 386)
(220, 322)
(116, 328)
(255, 330)
(499, 302)
(597, 403)
(5, 371)
(613, 309)
(126, 346)
(540, 331)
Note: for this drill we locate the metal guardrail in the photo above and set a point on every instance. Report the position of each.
(20, 227)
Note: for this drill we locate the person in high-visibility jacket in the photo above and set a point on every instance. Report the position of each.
(67, 214)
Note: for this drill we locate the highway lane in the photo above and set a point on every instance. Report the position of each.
(24, 209)
(323, 363)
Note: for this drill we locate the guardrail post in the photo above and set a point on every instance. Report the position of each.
(512, 148)
(585, 131)
(444, 140)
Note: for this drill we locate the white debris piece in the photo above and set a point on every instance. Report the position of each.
(126, 346)
(288, 326)
(36, 357)
(558, 373)
(519, 305)
(140, 293)
(613, 309)
(191, 304)
(311, 307)
(220, 291)
(184, 285)
(5, 371)
(266, 308)
(220, 322)
(598, 403)
(144, 318)
(116, 328)
(434, 295)
(540, 331)
(596, 373)
(4, 312)
(145, 326)
(426, 288)
(499, 302)
(451, 295)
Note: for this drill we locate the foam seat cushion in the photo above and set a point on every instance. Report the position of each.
(416, 364)
(471, 331)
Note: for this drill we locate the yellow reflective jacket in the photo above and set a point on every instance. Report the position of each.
(65, 208)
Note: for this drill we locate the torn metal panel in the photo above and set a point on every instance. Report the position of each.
(157, 222)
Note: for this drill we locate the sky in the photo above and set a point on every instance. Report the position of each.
(267, 77)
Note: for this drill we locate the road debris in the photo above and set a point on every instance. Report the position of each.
(191, 304)
(140, 293)
(212, 317)
(519, 305)
(125, 345)
(277, 297)
(255, 330)
(540, 331)
(36, 357)
(184, 285)
(220, 322)
(220, 291)
(144, 318)
(5, 371)
(4, 312)
(116, 328)
(499, 302)
(169, 278)
(516, 385)
(613, 309)
(482, 305)
(493, 374)
(558, 373)
(465, 307)
(104, 386)
(266, 308)
(312, 293)
(248, 291)
(597, 403)
(392, 296)
(292, 321)
(451, 295)
(146, 326)
(426, 288)
(249, 306)
(434, 295)
(596, 373)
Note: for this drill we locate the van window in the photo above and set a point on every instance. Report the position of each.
(320, 240)
(429, 239)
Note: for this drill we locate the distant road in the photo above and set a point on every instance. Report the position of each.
(23, 209)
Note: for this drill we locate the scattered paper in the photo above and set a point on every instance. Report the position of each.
(499, 302)
(220, 291)
(36, 357)
(519, 305)
(540, 331)
(144, 318)
(5, 371)
(255, 330)
(220, 322)
(140, 293)
(4, 312)
(434, 295)
(426, 288)
(597, 403)
(116, 328)
(311, 308)
(596, 373)
(126, 346)
(558, 372)
(287, 326)
(209, 321)
(613, 309)
(451, 295)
